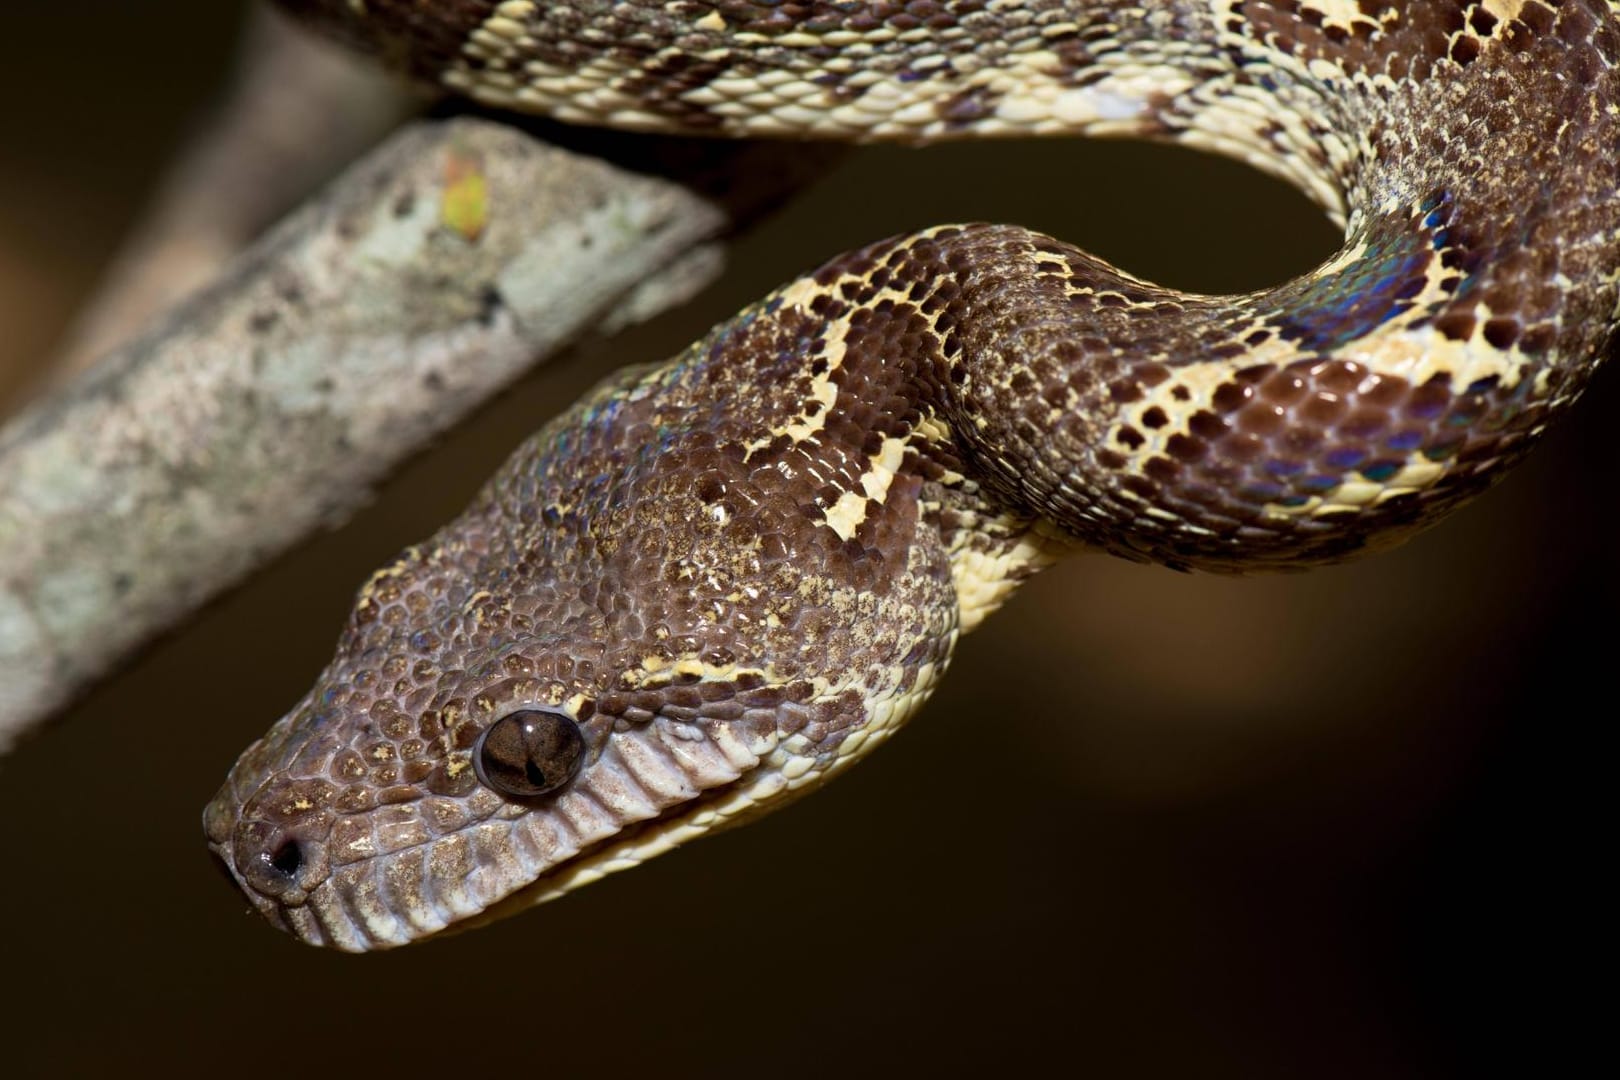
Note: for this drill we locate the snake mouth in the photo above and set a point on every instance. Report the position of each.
(633, 845)
(392, 874)
(486, 870)
(342, 911)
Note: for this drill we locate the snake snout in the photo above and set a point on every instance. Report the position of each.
(275, 842)
(277, 862)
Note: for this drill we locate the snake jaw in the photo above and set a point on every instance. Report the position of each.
(648, 787)
(335, 867)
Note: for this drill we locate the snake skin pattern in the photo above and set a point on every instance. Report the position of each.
(735, 573)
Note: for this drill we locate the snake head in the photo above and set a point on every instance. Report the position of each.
(525, 703)
(455, 754)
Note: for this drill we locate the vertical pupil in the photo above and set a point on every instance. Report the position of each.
(529, 753)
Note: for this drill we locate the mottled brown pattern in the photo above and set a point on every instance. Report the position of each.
(738, 570)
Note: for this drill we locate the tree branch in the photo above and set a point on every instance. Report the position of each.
(297, 110)
(430, 276)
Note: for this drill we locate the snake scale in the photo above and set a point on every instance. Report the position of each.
(716, 582)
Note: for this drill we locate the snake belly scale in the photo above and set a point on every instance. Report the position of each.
(716, 582)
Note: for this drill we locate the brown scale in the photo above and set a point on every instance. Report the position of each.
(665, 557)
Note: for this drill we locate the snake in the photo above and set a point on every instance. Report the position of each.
(716, 582)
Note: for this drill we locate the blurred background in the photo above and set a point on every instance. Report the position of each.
(1345, 823)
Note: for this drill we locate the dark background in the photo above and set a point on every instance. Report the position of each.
(1338, 824)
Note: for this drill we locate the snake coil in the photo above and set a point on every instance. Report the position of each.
(719, 581)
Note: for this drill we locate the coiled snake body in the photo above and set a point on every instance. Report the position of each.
(718, 581)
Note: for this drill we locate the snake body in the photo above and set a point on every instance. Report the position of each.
(716, 582)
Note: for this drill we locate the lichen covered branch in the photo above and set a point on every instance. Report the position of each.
(442, 266)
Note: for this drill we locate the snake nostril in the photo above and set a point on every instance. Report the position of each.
(287, 858)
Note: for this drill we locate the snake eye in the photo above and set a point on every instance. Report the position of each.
(529, 753)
